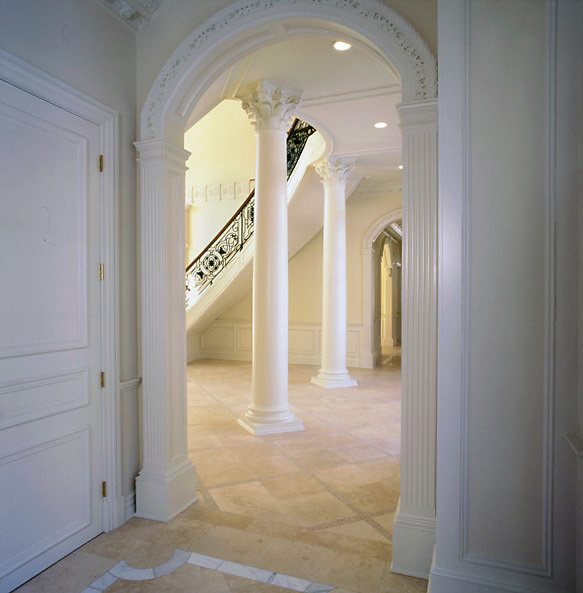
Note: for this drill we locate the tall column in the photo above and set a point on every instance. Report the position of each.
(166, 484)
(334, 173)
(270, 110)
(414, 524)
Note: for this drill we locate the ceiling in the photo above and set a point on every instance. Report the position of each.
(344, 94)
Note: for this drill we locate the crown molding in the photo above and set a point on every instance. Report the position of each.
(353, 96)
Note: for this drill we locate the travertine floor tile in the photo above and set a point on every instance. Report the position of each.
(71, 575)
(149, 555)
(316, 504)
(356, 572)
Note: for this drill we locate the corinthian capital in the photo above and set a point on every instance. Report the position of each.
(334, 170)
(270, 108)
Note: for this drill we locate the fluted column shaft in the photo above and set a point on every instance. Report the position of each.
(166, 483)
(270, 110)
(334, 173)
(414, 525)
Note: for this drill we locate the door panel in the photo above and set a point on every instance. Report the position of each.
(50, 348)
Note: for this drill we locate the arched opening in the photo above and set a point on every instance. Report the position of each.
(177, 99)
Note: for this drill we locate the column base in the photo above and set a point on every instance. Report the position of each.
(330, 380)
(161, 496)
(413, 544)
(264, 422)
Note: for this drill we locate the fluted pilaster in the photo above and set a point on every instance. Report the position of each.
(167, 480)
(414, 525)
(334, 173)
(270, 110)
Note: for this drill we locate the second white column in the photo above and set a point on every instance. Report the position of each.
(334, 173)
(270, 110)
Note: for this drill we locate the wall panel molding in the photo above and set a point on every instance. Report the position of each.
(80, 440)
(544, 567)
(32, 399)
(231, 340)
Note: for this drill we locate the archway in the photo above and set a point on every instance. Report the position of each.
(369, 286)
(166, 483)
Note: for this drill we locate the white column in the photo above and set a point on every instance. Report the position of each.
(414, 524)
(270, 110)
(166, 483)
(334, 173)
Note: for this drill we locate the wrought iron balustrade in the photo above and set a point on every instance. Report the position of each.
(231, 239)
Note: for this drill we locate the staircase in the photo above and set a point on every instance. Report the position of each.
(222, 273)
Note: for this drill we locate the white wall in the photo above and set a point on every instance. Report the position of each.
(83, 45)
(221, 164)
(507, 343)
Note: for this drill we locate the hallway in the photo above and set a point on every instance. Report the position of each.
(316, 505)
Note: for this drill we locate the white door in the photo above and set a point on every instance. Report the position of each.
(50, 358)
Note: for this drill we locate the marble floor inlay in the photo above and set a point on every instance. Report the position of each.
(180, 557)
(308, 511)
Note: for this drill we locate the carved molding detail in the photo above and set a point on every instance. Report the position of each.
(375, 14)
(270, 108)
(334, 170)
(134, 12)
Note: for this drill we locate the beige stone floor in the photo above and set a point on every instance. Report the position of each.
(316, 504)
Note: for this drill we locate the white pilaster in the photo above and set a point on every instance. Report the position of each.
(270, 110)
(334, 173)
(166, 483)
(414, 524)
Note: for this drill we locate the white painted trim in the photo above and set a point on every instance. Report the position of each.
(369, 353)
(130, 505)
(32, 80)
(543, 569)
(189, 70)
(460, 582)
(233, 348)
(353, 96)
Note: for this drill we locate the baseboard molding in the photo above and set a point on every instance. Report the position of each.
(130, 506)
(449, 581)
(232, 340)
(113, 513)
(413, 544)
(161, 496)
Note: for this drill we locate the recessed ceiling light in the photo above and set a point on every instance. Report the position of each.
(400, 166)
(381, 124)
(341, 45)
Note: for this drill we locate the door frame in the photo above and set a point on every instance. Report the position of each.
(30, 79)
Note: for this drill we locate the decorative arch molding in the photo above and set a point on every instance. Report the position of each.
(196, 60)
(369, 354)
(375, 229)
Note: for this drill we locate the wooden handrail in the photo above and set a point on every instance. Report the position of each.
(215, 238)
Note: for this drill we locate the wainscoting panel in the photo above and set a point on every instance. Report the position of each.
(233, 340)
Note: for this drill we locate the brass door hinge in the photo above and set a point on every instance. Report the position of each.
(101, 163)
(103, 489)
(102, 379)
(101, 271)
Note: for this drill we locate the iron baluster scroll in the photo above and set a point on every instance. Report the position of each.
(231, 239)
